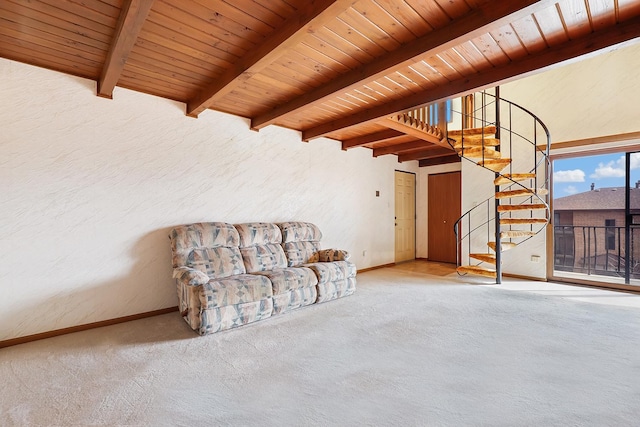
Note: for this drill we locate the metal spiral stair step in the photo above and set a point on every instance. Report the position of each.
(484, 257)
(495, 165)
(504, 246)
(522, 207)
(510, 234)
(486, 131)
(478, 271)
(475, 142)
(511, 221)
(521, 192)
(481, 152)
(510, 178)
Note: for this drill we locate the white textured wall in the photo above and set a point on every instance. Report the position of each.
(90, 187)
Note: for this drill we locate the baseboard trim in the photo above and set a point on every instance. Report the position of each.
(86, 326)
(392, 264)
(519, 276)
(632, 289)
(377, 267)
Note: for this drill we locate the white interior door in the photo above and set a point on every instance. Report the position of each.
(405, 216)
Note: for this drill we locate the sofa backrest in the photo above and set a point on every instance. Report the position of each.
(211, 247)
(301, 242)
(260, 246)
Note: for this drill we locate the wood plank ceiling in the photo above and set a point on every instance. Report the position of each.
(333, 68)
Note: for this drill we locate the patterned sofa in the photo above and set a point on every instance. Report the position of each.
(231, 275)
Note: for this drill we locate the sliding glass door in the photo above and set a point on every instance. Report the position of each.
(596, 218)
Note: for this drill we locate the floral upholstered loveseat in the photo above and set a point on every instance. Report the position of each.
(231, 275)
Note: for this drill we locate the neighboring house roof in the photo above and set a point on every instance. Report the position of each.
(610, 198)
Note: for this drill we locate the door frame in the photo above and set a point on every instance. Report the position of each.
(415, 213)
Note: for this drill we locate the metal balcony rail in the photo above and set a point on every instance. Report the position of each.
(596, 250)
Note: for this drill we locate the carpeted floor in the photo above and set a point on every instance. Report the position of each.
(408, 348)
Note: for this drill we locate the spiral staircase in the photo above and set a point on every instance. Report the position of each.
(513, 145)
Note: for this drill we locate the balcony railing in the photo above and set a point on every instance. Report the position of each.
(596, 250)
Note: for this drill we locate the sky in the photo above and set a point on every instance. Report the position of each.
(575, 175)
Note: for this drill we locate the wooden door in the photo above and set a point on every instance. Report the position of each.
(444, 202)
(405, 221)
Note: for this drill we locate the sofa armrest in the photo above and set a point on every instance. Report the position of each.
(190, 276)
(330, 255)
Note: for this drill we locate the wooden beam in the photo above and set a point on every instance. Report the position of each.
(132, 17)
(312, 15)
(429, 153)
(438, 161)
(489, 16)
(592, 141)
(590, 43)
(401, 148)
(359, 141)
(586, 151)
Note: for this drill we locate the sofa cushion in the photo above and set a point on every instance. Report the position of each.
(299, 232)
(260, 246)
(238, 289)
(258, 233)
(185, 238)
(336, 289)
(216, 263)
(299, 253)
(292, 278)
(333, 271)
(294, 299)
(263, 258)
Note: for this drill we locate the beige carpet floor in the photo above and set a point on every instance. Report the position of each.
(408, 348)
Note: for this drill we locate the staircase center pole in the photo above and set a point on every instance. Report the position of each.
(497, 201)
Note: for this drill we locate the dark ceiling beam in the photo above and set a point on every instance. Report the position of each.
(424, 154)
(439, 161)
(401, 148)
(490, 16)
(314, 14)
(590, 43)
(370, 138)
(132, 17)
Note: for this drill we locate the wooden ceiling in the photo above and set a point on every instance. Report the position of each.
(333, 68)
